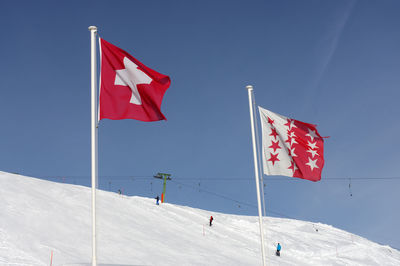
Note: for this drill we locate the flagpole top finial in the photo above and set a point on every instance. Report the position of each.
(92, 28)
(249, 87)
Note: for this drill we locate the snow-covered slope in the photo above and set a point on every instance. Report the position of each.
(40, 218)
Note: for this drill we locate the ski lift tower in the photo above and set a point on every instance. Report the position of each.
(165, 177)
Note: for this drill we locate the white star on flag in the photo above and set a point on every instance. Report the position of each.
(293, 166)
(313, 145)
(312, 163)
(313, 152)
(292, 152)
(292, 125)
(311, 134)
(132, 76)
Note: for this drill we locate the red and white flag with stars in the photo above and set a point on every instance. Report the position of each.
(291, 147)
(128, 88)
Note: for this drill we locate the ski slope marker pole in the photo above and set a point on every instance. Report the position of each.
(51, 258)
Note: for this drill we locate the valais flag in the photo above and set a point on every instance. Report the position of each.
(291, 147)
(129, 89)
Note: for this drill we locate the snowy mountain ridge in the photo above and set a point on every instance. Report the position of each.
(44, 222)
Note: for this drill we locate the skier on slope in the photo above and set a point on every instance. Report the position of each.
(211, 219)
(157, 200)
(278, 250)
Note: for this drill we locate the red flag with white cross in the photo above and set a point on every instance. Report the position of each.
(290, 147)
(129, 89)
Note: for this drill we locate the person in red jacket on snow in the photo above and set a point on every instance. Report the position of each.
(211, 219)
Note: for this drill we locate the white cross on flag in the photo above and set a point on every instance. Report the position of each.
(129, 89)
(290, 147)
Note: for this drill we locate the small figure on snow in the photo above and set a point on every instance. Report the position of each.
(157, 200)
(211, 219)
(278, 250)
(119, 192)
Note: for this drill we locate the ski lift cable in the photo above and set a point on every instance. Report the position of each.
(146, 177)
(230, 199)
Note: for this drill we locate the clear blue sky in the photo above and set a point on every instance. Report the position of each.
(331, 63)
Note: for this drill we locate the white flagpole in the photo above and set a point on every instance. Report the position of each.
(250, 92)
(93, 33)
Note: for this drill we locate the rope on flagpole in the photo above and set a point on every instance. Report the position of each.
(259, 157)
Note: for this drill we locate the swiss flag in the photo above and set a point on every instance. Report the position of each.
(129, 89)
(291, 147)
